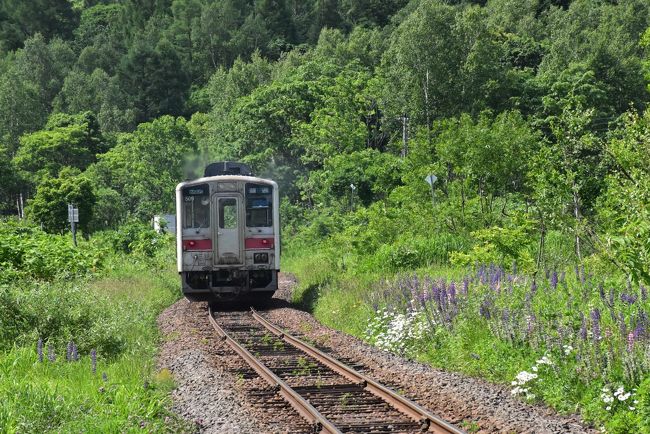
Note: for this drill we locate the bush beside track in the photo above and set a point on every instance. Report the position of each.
(78, 336)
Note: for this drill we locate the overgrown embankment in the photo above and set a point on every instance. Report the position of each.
(574, 338)
(78, 334)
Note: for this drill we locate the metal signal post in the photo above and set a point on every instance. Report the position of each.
(73, 218)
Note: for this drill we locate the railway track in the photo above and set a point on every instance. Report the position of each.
(331, 396)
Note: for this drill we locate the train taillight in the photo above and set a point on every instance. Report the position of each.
(259, 243)
(197, 245)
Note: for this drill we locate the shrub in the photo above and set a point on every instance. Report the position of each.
(28, 252)
(409, 253)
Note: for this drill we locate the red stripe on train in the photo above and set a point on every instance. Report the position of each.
(197, 245)
(259, 243)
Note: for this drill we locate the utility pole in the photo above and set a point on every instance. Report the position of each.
(405, 134)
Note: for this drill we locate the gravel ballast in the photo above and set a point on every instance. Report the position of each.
(219, 393)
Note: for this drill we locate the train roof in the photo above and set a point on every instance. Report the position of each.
(226, 178)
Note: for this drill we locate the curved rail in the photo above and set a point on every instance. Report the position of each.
(303, 407)
(428, 420)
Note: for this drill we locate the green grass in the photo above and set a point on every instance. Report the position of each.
(64, 396)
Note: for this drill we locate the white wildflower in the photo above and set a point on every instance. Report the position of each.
(624, 396)
(524, 377)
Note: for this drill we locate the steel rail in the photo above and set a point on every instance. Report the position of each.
(428, 420)
(302, 406)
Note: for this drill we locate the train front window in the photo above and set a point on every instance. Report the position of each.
(228, 214)
(196, 207)
(259, 209)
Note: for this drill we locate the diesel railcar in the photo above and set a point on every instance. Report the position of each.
(228, 234)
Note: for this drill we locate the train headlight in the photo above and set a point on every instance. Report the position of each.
(261, 258)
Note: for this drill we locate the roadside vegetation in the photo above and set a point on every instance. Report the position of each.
(79, 335)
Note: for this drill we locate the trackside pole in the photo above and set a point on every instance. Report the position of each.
(73, 218)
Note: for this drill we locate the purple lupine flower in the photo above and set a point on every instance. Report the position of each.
(577, 271)
(465, 286)
(50, 353)
(39, 350)
(554, 280)
(628, 298)
(93, 361)
(505, 316)
(68, 353)
(630, 342)
(452, 293)
(601, 291)
(530, 323)
(611, 297)
(482, 274)
(485, 309)
(622, 324)
(583, 327)
(641, 322)
(644, 293)
(583, 275)
(436, 294)
(443, 299)
(595, 323)
(639, 331)
(75, 353)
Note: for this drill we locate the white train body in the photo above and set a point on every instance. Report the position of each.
(227, 237)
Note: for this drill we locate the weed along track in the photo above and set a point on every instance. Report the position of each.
(329, 395)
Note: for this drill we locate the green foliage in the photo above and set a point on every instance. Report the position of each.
(27, 252)
(66, 141)
(21, 20)
(134, 237)
(50, 204)
(153, 78)
(624, 209)
(145, 166)
(373, 174)
(497, 245)
(114, 315)
(410, 253)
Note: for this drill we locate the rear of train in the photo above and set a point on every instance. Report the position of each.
(228, 234)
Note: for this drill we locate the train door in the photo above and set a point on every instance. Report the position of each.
(228, 230)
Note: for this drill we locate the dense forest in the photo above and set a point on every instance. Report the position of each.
(533, 243)
(530, 113)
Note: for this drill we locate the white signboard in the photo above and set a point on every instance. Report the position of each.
(73, 214)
